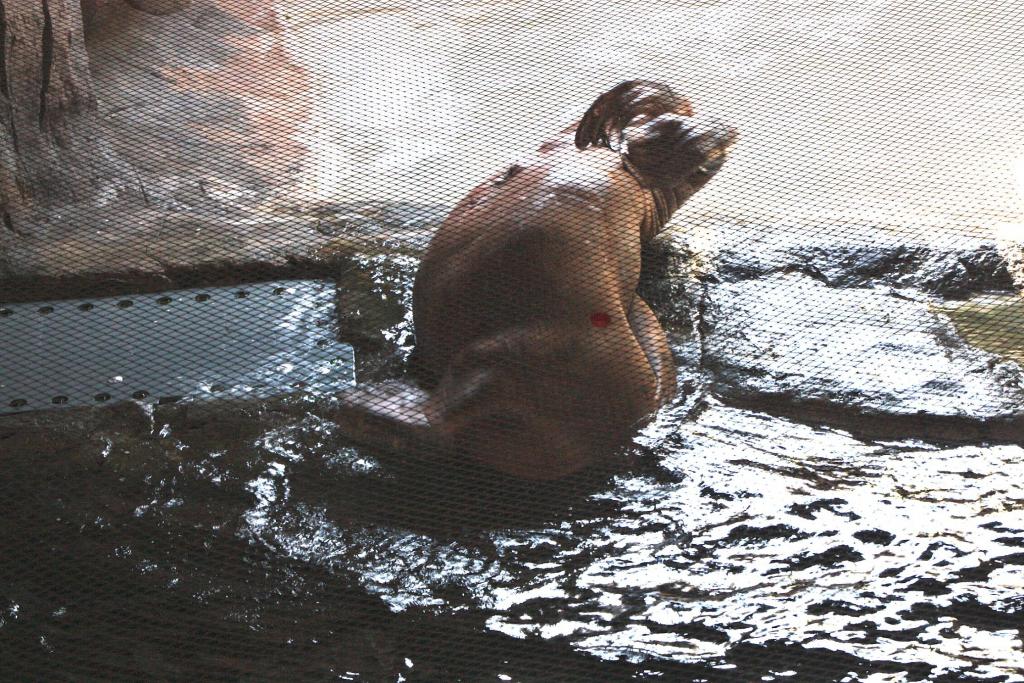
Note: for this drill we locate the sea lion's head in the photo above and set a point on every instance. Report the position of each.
(668, 149)
(674, 152)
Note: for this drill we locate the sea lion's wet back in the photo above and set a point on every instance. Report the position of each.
(527, 319)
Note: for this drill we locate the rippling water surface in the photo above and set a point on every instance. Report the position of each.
(733, 545)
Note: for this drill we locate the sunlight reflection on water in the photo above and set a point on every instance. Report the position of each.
(767, 531)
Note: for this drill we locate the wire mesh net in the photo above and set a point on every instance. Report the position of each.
(512, 340)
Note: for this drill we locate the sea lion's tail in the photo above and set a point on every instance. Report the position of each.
(628, 103)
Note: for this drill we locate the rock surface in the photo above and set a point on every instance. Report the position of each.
(889, 332)
(845, 253)
(791, 339)
(168, 250)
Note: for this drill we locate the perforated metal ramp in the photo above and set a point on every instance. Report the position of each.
(255, 340)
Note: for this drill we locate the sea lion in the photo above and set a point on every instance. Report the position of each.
(538, 352)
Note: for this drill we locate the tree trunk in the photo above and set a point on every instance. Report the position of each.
(52, 148)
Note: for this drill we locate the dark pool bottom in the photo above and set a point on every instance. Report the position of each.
(249, 542)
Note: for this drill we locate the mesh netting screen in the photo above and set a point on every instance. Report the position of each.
(512, 340)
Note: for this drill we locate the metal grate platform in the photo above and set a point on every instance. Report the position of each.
(255, 340)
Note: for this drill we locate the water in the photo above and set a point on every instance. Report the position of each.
(247, 539)
(736, 542)
(993, 322)
(901, 113)
(896, 111)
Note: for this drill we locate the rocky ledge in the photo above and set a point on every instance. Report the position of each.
(860, 327)
(887, 336)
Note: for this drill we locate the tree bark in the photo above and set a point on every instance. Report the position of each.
(52, 147)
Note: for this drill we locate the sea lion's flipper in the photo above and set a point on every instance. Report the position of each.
(651, 337)
(389, 415)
